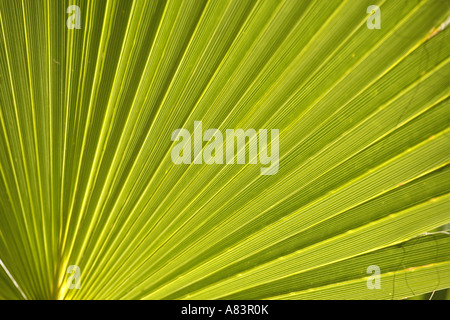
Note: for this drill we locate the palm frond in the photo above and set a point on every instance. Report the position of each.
(87, 179)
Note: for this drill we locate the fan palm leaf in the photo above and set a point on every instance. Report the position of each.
(87, 111)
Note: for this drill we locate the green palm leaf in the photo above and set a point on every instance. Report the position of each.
(87, 179)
